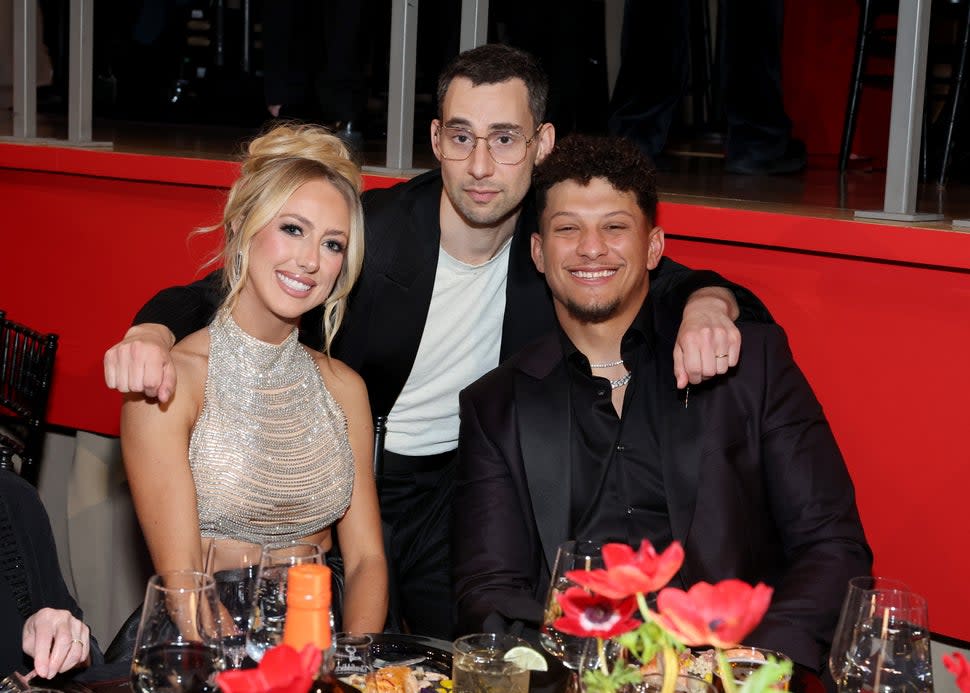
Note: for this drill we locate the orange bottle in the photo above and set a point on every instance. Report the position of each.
(308, 607)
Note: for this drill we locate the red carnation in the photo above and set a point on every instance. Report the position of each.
(721, 615)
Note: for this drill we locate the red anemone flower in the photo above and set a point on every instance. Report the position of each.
(593, 615)
(281, 670)
(721, 615)
(628, 572)
(960, 669)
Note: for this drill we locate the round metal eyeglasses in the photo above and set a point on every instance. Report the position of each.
(504, 146)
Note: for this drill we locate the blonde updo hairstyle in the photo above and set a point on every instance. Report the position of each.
(276, 164)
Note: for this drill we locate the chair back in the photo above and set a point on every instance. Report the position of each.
(26, 365)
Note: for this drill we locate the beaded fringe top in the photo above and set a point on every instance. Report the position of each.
(270, 453)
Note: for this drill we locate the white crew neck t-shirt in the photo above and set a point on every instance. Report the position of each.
(461, 341)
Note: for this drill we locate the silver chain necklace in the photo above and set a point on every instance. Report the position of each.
(621, 381)
(607, 364)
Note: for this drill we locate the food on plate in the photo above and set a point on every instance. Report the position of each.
(701, 664)
(400, 679)
(391, 679)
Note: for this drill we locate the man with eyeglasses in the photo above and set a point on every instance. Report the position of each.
(448, 289)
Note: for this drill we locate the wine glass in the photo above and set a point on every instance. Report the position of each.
(890, 645)
(573, 651)
(233, 564)
(269, 600)
(178, 648)
(853, 603)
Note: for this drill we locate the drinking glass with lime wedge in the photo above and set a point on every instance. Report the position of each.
(493, 663)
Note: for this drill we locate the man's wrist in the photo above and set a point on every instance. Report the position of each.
(712, 298)
(152, 331)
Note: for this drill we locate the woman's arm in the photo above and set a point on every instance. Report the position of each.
(155, 448)
(359, 530)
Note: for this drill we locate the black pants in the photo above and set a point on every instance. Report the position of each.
(654, 69)
(415, 498)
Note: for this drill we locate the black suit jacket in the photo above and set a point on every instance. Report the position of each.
(382, 329)
(756, 489)
(30, 577)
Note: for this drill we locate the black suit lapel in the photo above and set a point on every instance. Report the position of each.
(528, 305)
(681, 444)
(401, 305)
(542, 399)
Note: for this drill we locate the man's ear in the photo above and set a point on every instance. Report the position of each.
(537, 252)
(547, 140)
(655, 250)
(435, 125)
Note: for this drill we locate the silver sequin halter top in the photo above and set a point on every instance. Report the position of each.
(269, 453)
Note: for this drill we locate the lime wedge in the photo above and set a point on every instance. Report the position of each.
(527, 658)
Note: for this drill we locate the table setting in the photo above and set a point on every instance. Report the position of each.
(610, 619)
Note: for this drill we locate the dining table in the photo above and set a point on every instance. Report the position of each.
(387, 648)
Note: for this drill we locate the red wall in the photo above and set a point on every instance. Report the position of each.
(877, 316)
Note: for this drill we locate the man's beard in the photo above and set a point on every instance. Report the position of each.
(594, 313)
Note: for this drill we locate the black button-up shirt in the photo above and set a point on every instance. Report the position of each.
(617, 489)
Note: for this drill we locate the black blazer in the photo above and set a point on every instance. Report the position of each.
(756, 489)
(387, 310)
(30, 577)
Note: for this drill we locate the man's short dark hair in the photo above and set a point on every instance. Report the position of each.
(581, 158)
(495, 63)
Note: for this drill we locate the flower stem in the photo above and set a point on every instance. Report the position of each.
(644, 609)
(727, 674)
(671, 670)
(601, 653)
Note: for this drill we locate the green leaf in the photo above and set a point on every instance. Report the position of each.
(767, 677)
(595, 681)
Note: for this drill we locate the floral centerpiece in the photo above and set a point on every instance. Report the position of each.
(607, 602)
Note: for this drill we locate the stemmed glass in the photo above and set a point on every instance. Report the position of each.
(890, 645)
(855, 597)
(178, 648)
(269, 601)
(574, 652)
(233, 565)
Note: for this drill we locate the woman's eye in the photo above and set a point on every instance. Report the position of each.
(334, 246)
(292, 229)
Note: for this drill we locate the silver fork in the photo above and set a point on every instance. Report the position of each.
(16, 682)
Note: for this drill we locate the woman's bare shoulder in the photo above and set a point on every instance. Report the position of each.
(191, 358)
(344, 383)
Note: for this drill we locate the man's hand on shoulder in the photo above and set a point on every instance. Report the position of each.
(142, 362)
(708, 342)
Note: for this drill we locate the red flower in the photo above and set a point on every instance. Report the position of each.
(628, 572)
(593, 615)
(960, 669)
(281, 670)
(721, 615)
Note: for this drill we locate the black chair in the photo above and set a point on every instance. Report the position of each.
(26, 365)
(876, 39)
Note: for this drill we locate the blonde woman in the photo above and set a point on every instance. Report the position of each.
(267, 440)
